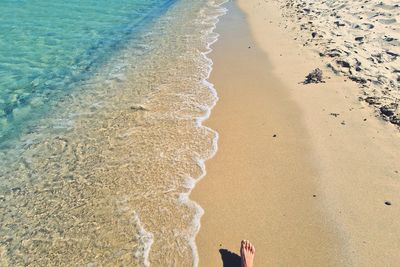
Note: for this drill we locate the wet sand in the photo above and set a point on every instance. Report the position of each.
(307, 172)
(261, 184)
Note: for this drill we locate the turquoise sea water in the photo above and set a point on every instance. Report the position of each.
(48, 47)
(101, 135)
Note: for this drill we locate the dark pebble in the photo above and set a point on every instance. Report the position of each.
(274, 135)
(389, 110)
(358, 79)
(314, 77)
(372, 100)
(9, 109)
(389, 39)
(388, 203)
(16, 189)
(343, 63)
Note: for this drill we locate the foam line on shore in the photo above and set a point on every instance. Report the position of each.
(199, 121)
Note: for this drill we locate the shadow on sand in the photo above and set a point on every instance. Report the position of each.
(230, 259)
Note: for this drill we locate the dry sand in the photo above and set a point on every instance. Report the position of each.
(313, 195)
(360, 39)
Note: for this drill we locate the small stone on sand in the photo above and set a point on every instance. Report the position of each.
(314, 77)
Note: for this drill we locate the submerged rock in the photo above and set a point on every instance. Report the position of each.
(138, 108)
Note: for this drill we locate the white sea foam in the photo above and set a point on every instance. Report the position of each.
(212, 38)
(190, 182)
(146, 239)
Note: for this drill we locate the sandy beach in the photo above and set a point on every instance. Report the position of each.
(307, 172)
(165, 132)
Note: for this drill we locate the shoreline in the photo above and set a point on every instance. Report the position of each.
(200, 122)
(348, 176)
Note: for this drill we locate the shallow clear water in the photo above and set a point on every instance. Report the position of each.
(104, 152)
(48, 47)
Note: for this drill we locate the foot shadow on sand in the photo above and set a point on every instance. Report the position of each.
(230, 259)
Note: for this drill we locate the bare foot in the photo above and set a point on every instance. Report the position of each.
(247, 252)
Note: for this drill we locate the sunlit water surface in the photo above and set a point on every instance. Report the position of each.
(101, 139)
